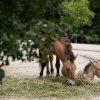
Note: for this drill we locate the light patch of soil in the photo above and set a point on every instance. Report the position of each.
(32, 69)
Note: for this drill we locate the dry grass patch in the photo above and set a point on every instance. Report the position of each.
(47, 87)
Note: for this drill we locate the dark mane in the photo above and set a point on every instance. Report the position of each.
(87, 67)
(68, 47)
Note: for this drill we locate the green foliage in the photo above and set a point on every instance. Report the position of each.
(91, 34)
(19, 21)
(77, 12)
(47, 31)
(39, 21)
(95, 6)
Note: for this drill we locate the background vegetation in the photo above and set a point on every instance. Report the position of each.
(89, 34)
(42, 21)
(23, 20)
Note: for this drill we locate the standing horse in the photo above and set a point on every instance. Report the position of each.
(69, 53)
(63, 52)
(90, 70)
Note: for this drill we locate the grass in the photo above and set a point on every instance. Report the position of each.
(47, 87)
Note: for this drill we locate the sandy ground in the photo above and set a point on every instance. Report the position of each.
(31, 69)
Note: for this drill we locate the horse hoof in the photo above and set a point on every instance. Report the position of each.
(48, 73)
(57, 75)
(41, 74)
(52, 71)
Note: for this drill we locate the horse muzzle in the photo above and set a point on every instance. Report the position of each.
(71, 82)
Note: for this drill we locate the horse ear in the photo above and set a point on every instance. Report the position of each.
(93, 62)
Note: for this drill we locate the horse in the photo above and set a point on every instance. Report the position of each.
(91, 69)
(67, 43)
(50, 59)
(63, 52)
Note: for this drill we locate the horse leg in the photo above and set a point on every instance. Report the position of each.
(42, 68)
(7, 62)
(57, 66)
(42, 64)
(51, 59)
(47, 63)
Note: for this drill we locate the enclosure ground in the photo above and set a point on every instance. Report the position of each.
(22, 82)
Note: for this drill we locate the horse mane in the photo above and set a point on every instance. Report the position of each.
(87, 67)
(68, 47)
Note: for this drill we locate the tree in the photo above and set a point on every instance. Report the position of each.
(95, 7)
(77, 13)
(39, 21)
(89, 34)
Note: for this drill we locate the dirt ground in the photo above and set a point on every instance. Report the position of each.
(31, 69)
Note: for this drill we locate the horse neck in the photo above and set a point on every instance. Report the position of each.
(59, 50)
(62, 51)
(89, 72)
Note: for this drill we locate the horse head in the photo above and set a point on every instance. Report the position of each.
(68, 70)
(96, 66)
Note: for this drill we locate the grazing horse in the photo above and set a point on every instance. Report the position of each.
(62, 52)
(68, 52)
(90, 70)
(65, 40)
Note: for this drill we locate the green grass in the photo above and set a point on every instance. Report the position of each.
(47, 87)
